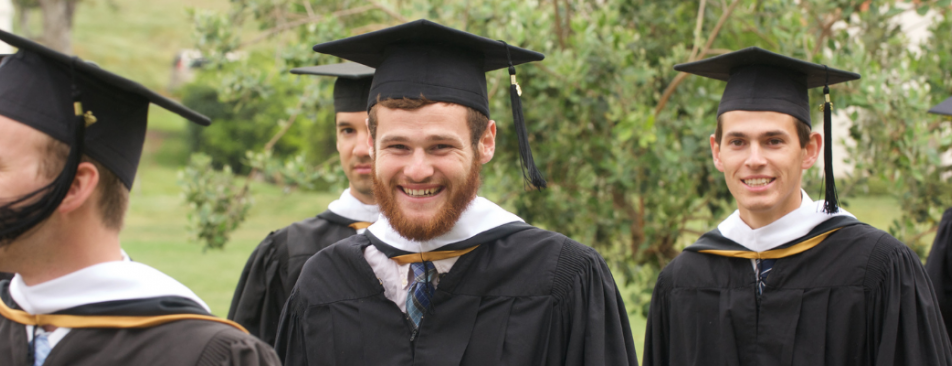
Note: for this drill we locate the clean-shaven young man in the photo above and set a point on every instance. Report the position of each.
(786, 280)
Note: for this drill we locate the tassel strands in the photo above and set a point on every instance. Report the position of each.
(530, 173)
(830, 205)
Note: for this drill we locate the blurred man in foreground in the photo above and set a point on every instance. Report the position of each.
(71, 136)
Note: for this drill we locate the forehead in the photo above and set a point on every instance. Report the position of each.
(16, 137)
(434, 119)
(750, 122)
(352, 117)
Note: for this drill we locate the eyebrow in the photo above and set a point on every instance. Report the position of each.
(431, 138)
(771, 133)
(344, 123)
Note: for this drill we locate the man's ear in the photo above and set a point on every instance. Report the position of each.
(716, 153)
(811, 152)
(487, 143)
(82, 188)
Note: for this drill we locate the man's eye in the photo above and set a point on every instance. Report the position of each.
(347, 131)
(735, 142)
(775, 141)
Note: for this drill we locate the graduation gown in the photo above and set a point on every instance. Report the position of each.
(524, 296)
(853, 296)
(939, 267)
(274, 267)
(190, 341)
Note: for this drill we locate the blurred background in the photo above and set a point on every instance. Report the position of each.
(621, 137)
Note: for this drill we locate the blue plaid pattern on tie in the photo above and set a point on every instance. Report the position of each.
(41, 346)
(763, 270)
(421, 291)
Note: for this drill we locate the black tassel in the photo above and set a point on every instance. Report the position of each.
(830, 204)
(14, 221)
(530, 173)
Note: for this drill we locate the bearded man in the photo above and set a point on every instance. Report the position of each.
(445, 277)
(276, 263)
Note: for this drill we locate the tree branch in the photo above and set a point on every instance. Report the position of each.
(293, 24)
(389, 11)
(697, 29)
(710, 40)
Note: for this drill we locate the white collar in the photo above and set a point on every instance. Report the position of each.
(350, 207)
(109, 281)
(481, 215)
(792, 226)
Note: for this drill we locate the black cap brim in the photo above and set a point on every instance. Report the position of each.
(943, 108)
(370, 48)
(107, 77)
(721, 67)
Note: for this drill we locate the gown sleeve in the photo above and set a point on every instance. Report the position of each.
(905, 326)
(599, 333)
(938, 267)
(259, 296)
(234, 348)
(656, 332)
(289, 343)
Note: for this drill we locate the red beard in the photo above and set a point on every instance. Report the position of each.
(461, 194)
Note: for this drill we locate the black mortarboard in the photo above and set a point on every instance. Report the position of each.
(943, 108)
(422, 58)
(95, 112)
(352, 86)
(760, 80)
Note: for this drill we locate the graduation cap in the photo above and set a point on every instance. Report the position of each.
(760, 80)
(95, 112)
(352, 86)
(943, 108)
(423, 58)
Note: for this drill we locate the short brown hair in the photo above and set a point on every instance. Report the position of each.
(113, 194)
(476, 121)
(803, 131)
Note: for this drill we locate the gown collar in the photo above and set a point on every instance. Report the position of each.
(790, 227)
(109, 281)
(350, 207)
(480, 216)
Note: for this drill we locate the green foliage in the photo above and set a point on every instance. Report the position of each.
(621, 136)
(216, 205)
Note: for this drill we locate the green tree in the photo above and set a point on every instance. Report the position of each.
(621, 136)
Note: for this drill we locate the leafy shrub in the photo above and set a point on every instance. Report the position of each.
(216, 205)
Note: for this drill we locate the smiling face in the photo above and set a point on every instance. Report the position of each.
(355, 154)
(426, 169)
(762, 159)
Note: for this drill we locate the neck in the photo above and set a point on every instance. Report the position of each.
(59, 248)
(761, 218)
(367, 199)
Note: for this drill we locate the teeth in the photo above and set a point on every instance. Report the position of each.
(757, 182)
(420, 192)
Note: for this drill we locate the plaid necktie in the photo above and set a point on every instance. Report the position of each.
(763, 270)
(421, 291)
(41, 346)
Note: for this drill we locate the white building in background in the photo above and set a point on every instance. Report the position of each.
(6, 23)
(916, 28)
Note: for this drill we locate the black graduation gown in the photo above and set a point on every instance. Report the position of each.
(939, 267)
(529, 297)
(177, 343)
(859, 297)
(274, 267)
